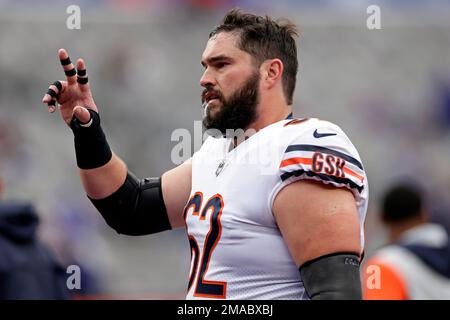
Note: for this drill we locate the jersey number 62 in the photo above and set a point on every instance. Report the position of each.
(205, 288)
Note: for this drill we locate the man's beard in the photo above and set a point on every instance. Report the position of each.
(236, 112)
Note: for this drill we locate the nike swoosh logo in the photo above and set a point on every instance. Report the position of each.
(321, 135)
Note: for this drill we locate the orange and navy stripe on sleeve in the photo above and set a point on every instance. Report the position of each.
(326, 164)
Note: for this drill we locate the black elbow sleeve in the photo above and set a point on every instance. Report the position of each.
(332, 277)
(136, 208)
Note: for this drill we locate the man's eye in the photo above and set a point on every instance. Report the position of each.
(221, 65)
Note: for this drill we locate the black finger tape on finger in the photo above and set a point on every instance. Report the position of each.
(65, 61)
(82, 72)
(51, 92)
(82, 80)
(52, 103)
(70, 72)
(58, 85)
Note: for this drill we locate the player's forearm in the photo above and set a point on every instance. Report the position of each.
(101, 182)
(121, 198)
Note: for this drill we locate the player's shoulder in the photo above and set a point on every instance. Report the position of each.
(314, 135)
(299, 126)
(308, 130)
(320, 150)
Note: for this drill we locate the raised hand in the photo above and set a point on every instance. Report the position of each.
(73, 95)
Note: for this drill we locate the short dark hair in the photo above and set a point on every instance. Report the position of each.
(402, 202)
(265, 38)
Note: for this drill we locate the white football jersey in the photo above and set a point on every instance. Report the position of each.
(237, 249)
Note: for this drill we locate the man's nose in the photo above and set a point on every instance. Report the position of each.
(207, 79)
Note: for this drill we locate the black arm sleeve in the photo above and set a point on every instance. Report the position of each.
(136, 208)
(332, 277)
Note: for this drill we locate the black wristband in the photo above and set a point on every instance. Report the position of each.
(91, 148)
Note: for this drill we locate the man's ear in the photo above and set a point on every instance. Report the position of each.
(272, 72)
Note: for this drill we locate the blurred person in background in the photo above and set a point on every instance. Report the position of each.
(416, 262)
(28, 270)
(234, 211)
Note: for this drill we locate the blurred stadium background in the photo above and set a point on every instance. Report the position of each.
(389, 89)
